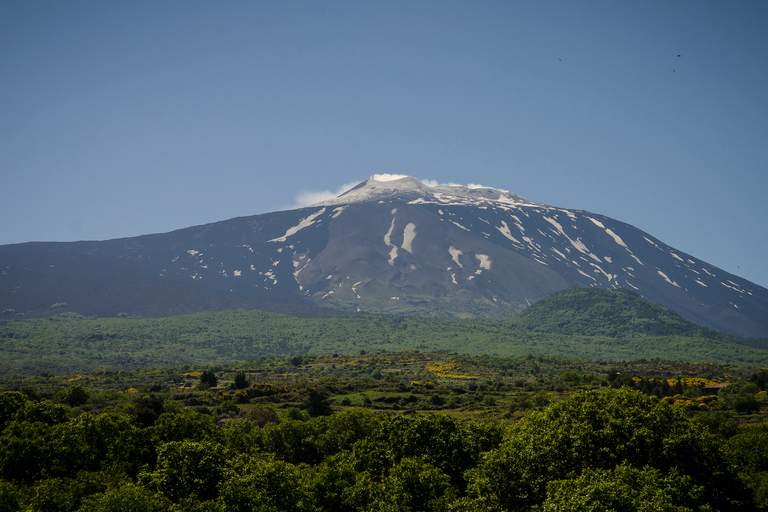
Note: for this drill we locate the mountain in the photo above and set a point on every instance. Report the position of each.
(387, 245)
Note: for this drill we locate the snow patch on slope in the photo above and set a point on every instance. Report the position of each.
(577, 244)
(455, 253)
(504, 230)
(485, 261)
(409, 233)
(304, 223)
(667, 279)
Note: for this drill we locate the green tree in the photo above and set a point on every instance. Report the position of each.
(262, 415)
(147, 409)
(188, 469)
(122, 446)
(293, 441)
(342, 430)
(413, 484)
(76, 395)
(625, 488)
(24, 450)
(31, 450)
(66, 494)
(229, 407)
(760, 379)
(10, 404)
(127, 497)
(263, 485)
(444, 442)
(317, 403)
(185, 426)
(331, 484)
(241, 381)
(749, 449)
(209, 378)
(72, 447)
(746, 405)
(44, 412)
(602, 430)
(10, 497)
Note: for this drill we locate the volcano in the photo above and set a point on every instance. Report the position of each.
(391, 244)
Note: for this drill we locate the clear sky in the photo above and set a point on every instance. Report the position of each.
(126, 118)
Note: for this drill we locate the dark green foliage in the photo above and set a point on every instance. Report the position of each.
(229, 407)
(264, 485)
(760, 379)
(10, 404)
(185, 426)
(76, 395)
(292, 441)
(749, 449)
(43, 412)
(602, 430)
(741, 397)
(746, 405)
(626, 328)
(438, 400)
(241, 381)
(719, 423)
(317, 404)
(10, 497)
(31, 393)
(262, 415)
(443, 442)
(67, 494)
(147, 409)
(30, 449)
(332, 484)
(341, 431)
(188, 469)
(128, 497)
(612, 313)
(412, 484)
(624, 488)
(209, 378)
(613, 449)
(120, 445)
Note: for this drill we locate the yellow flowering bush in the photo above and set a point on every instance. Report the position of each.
(447, 370)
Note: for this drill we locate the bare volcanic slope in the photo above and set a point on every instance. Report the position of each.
(387, 245)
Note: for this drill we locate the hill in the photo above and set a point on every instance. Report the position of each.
(612, 313)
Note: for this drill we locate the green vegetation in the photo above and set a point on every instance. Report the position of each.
(387, 431)
(590, 400)
(613, 313)
(589, 324)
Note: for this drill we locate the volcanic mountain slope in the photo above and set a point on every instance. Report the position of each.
(387, 245)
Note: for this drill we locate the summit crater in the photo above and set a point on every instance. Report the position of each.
(408, 189)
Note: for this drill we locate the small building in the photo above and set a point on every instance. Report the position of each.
(712, 389)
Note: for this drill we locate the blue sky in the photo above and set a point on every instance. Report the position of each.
(126, 118)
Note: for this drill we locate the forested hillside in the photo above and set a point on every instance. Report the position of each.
(598, 325)
(614, 313)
